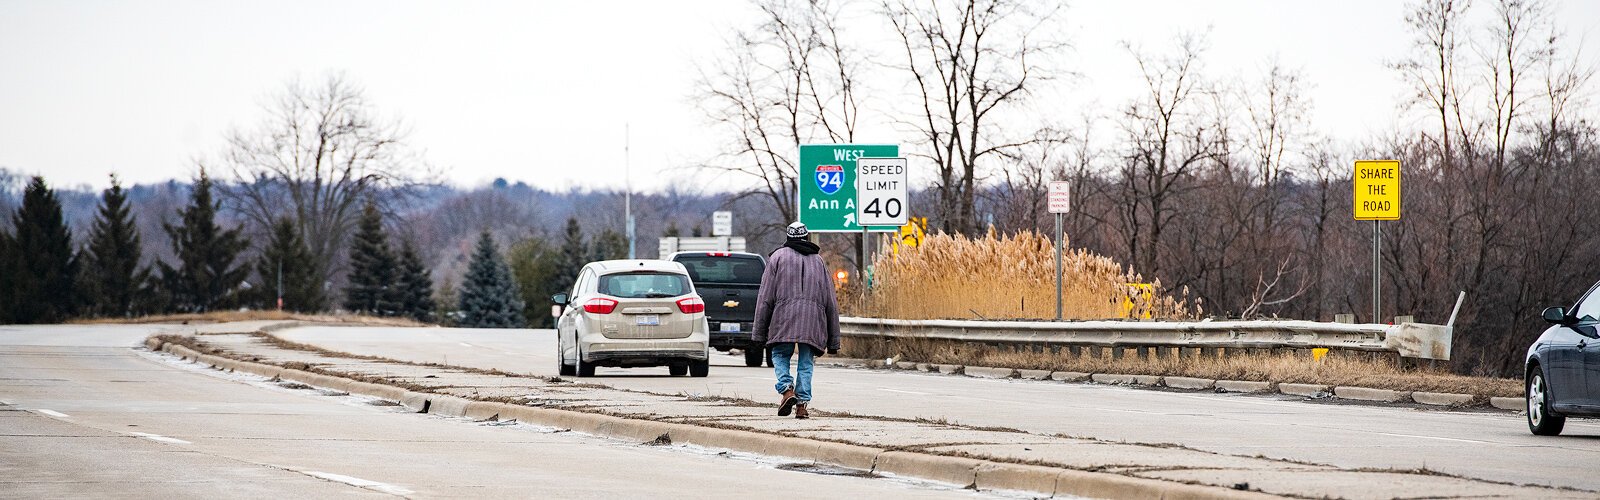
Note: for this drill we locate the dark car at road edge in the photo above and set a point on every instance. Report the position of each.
(1563, 366)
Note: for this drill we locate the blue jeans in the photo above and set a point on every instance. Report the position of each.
(780, 366)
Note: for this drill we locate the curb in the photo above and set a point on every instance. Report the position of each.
(1034, 374)
(1307, 390)
(1069, 376)
(965, 472)
(1369, 394)
(1245, 386)
(982, 372)
(1442, 398)
(1513, 404)
(1118, 379)
(1189, 382)
(949, 369)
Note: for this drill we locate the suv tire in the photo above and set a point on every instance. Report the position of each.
(583, 369)
(562, 367)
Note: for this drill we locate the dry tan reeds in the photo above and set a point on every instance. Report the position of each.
(1010, 277)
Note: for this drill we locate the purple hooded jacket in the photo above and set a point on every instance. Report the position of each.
(796, 302)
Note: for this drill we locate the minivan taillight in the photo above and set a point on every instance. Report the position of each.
(692, 305)
(602, 306)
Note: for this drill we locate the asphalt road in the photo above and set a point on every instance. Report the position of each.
(1478, 444)
(85, 414)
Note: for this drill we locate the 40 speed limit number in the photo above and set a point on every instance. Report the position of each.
(881, 192)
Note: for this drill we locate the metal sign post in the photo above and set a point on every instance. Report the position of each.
(1060, 202)
(881, 200)
(1376, 186)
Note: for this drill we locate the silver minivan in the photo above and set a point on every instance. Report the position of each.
(632, 313)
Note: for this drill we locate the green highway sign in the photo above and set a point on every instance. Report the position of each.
(828, 185)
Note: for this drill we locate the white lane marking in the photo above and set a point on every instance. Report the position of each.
(464, 344)
(1434, 437)
(759, 378)
(359, 483)
(159, 438)
(53, 413)
(904, 392)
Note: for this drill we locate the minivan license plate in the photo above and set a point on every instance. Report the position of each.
(647, 320)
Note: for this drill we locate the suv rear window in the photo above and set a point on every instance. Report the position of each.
(643, 285)
(739, 269)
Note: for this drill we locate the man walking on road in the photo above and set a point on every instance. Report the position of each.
(797, 313)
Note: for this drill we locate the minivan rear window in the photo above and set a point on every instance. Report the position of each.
(645, 285)
(738, 269)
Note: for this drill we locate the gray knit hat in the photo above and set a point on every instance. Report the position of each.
(797, 231)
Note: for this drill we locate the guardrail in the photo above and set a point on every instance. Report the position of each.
(1411, 340)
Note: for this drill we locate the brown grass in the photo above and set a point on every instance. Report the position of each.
(993, 277)
(1338, 369)
(231, 316)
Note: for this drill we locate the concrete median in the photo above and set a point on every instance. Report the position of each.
(982, 470)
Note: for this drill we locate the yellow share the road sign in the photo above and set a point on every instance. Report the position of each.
(1377, 190)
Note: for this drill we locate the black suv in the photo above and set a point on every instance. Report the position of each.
(728, 282)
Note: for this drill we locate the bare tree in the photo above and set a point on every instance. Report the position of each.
(970, 61)
(318, 155)
(1165, 141)
(791, 80)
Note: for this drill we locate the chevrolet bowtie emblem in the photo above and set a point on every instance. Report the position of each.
(731, 303)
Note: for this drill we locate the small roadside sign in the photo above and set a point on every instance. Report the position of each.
(1377, 190)
(722, 223)
(881, 192)
(827, 198)
(1060, 198)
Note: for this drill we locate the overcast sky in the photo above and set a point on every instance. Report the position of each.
(540, 91)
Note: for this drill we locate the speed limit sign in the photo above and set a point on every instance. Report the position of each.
(881, 192)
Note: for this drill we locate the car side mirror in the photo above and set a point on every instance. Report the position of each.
(1557, 315)
(559, 299)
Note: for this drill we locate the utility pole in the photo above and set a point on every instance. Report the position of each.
(627, 183)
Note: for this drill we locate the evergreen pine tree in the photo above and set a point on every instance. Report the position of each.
(42, 266)
(609, 245)
(574, 255)
(372, 267)
(535, 264)
(8, 275)
(286, 266)
(207, 277)
(415, 286)
(489, 298)
(112, 282)
(672, 230)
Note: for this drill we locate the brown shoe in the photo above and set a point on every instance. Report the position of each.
(788, 402)
(800, 411)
